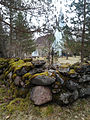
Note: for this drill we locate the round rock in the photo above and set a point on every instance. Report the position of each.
(41, 95)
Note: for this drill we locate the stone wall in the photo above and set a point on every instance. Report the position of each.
(62, 83)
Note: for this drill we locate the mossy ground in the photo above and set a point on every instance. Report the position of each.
(23, 109)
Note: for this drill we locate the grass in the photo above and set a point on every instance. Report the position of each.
(70, 60)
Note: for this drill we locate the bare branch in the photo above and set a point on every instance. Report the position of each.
(25, 31)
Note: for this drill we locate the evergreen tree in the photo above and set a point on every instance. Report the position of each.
(3, 38)
(79, 28)
(23, 39)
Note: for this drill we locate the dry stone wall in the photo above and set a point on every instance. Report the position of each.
(62, 83)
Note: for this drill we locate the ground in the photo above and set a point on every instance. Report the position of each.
(23, 109)
(16, 110)
(70, 60)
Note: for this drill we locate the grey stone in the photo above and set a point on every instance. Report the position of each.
(88, 70)
(75, 95)
(38, 63)
(59, 79)
(84, 78)
(68, 97)
(41, 95)
(64, 70)
(84, 92)
(71, 85)
(74, 75)
(1, 71)
(36, 70)
(64, 98)
(17, 80)
(21, 71)
(43, 80)
(10, 75)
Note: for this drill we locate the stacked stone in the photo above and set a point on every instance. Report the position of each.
(60, 83)
(76, 83)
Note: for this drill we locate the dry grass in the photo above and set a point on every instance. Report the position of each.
(70, 60)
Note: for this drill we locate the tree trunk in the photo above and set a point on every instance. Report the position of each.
(10, 51)
(83, 33)
(52, 56)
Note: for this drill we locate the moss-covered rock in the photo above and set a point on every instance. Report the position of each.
(3, 63)
(27, 59)
(26, 76)
(14, 76)
(42, 79)
(65, 66)
(43, 73)
(72, 71)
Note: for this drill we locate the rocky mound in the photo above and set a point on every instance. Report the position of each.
(62, 84)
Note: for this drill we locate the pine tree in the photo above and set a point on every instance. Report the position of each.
(3, 38)
(24, 39)
(80, 25)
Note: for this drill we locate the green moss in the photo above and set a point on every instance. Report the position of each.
(7, 71)
(4, 95)
(65, 66)
(27, 59)
(3, 63)
(20, 104)
(44, 73)
(19, 64)
(36, 111)
(2, 77)
(3, 106)
(76, 67)
(62, 76)
(17, 104)
(20, 92)
(2, 92)
(13, 89)
(14, 76)
(57, 83)
(72, 71)
(26, 76)
(47, 111)
(27, 82)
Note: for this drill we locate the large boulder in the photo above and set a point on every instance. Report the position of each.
(41, 95)
(43, 80)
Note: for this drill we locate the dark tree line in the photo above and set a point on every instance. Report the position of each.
(17, 26)
(78, 35)
(16, 22)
